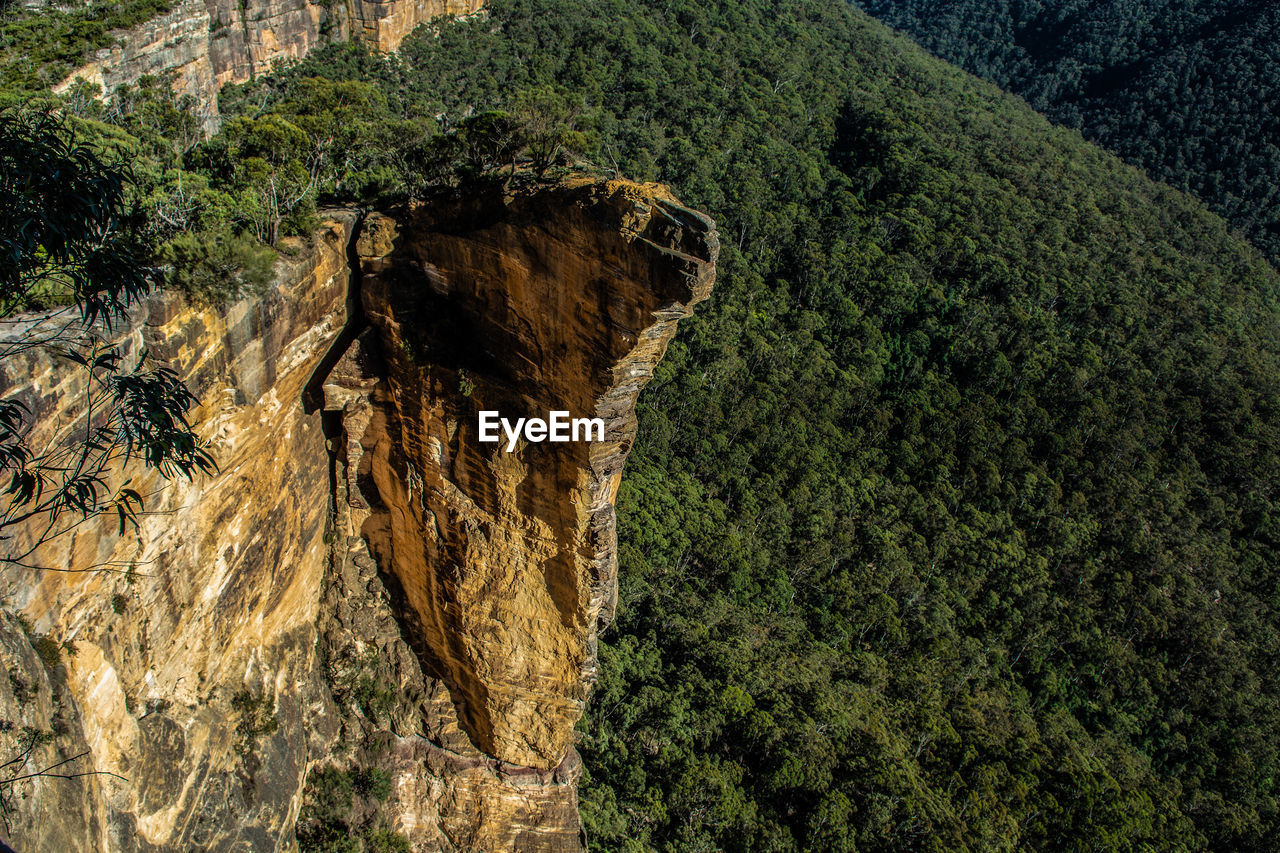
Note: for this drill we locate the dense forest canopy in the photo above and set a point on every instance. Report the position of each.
(952, 521)
(1188, 89)
(953, 518)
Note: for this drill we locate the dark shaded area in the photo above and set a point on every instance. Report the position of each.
(313, 392)
(1190, 91)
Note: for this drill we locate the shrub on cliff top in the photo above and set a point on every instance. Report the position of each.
(39, 47)
(217, 265)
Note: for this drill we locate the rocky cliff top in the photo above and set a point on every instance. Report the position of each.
(363, 585)
(206, 44)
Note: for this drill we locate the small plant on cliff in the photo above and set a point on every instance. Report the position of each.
(257, 718)
(373, 783)
(386, 841)
(217, 265)
(327, 804)
(371, 696)
(23, 690)
(466, 385)
(356, 683)
(48, 650)
(340, 815)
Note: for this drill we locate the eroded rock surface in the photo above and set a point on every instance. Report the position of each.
(206, 44)
(362, 584)
(216, 594)
(559, 300)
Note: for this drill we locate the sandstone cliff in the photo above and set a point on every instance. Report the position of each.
(206, 44)
(363, 583)
(215, 594)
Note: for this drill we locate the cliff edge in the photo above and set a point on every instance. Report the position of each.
(205, 44)
(364, 585)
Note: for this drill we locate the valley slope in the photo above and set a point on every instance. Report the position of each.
(952, 523)
(1190, 91)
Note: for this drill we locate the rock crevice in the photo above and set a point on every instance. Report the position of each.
(383, 589)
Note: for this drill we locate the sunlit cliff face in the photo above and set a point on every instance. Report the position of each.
(564, 300)
(202, 45)
(358, 529)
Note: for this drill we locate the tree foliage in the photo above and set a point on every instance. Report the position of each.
(68, 239)
(1188, 90)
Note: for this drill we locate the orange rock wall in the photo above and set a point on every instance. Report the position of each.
(563, 300)
(207, 44)
(218, 590)
(357, 530)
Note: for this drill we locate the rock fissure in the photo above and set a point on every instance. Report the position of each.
(365, 584)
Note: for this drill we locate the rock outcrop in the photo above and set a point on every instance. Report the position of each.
(206, 44)
(215, 595)
(559, 300)
(363, 583)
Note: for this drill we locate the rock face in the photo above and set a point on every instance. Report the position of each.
(386, 23)
(363, 584)
(206, 44)
(561, 300)
(216, 594)
(175, 43)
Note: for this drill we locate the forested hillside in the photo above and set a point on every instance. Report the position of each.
(953, 520)
(1190, 90)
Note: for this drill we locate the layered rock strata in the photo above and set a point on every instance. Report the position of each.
(557, 300)
(362, 584)
(214, 596)
(206, 44)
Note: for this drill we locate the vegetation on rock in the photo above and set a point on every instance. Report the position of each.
(38, 47)
(340, 813)
(952, 522)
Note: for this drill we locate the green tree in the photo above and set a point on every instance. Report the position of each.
(264, 163)
(69, 239)
(547, 125)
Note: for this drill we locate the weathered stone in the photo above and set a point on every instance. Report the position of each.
(557, 300)
(386, 23)
(34, 703)
(460, 658)
(176, 43)
(206, 44)
(217, 592)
